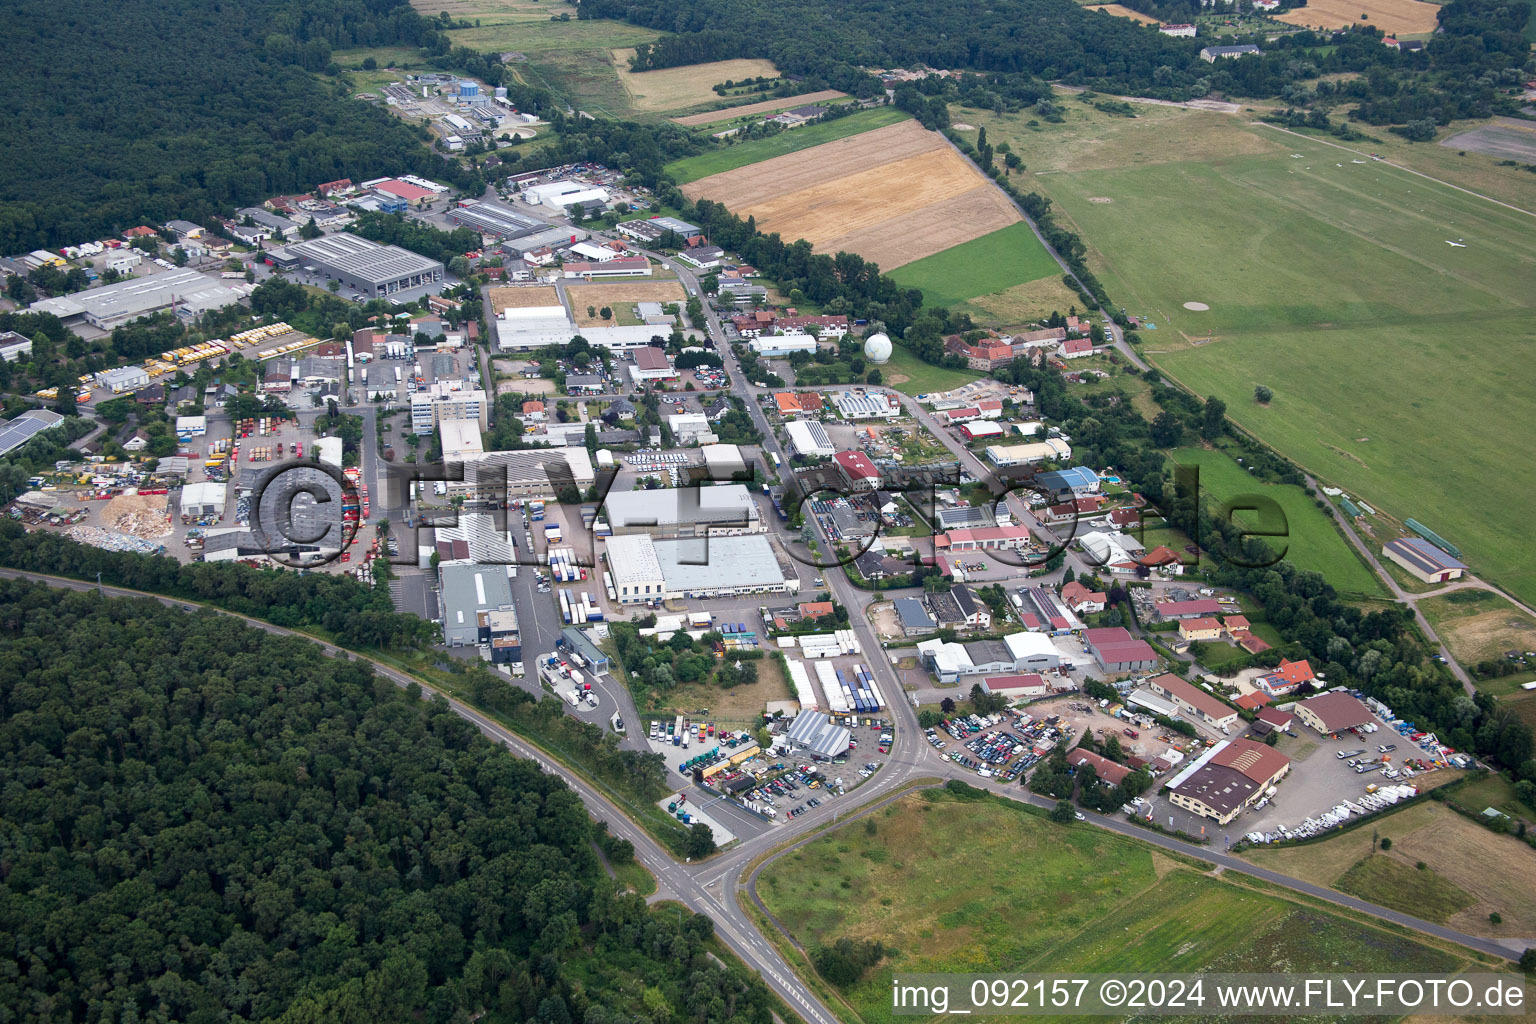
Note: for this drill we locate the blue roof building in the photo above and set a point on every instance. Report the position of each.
(1079, 480)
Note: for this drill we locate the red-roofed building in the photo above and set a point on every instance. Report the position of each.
(1199, 629)
(1250, 642)
(410, 193)
(139, 232)
(1235, 623)
(984, 538)
(1163, 558)
(1075, 348)
(1109, 772)
(857, 471)
(1172, 611)
(1287, 678)
(533, 410)
(1069, 510)
(1278, 719)
(1123, 518)
(1082, 600)
(651, 363)
(1116, 650)
(816, 609)
(1251, 701)
(332, 187)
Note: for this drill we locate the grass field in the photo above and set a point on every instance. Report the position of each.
(911, 376)
(1478, 625)
(1493, 869)
(983, 266)
(672, 89)
(1313, 541)
(1329, 280)
(1394, 17)
(988, 887)
(1391, 882)
(757, 150)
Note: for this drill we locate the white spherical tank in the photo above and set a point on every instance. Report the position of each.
(877, 348)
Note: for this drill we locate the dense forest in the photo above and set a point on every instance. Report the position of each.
(207, 823)
(134, 110)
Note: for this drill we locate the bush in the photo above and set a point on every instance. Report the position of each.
(1386, 844)
(844, 962)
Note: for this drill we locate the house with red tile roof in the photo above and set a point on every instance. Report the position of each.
(1075, 348)
(1109, 772)
(1252, 701)
(1286, 679)
(1080, 599)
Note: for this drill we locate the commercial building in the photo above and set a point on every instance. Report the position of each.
(190, 292)
(1423, 560)
(1333, 712)
(1227, 778)
(815, 734)
(1193, 702)
(203, 499)
(494, 219)
(649, 570)
(984, 538)
(780, 345)
(530, 473)
(867, 406)
(809, 438)
(1050, 450)
(14, 346)
(279, 227)
(913, 616)
(1043, 610)
(363, 266)
(718, 510)
(18, 431)
(651, 363)
(1032, 652)
(618, 266)
(1117, 651)
(442, 401)
(461, 439)
(525, 328)
(1021, 686)
(465, 591)
(124, 378)
(1079, 481)
(656, 228)
(857, 471)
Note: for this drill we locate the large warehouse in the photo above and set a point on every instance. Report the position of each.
(364, 266)
(646, 570)
(683, 511)
(503, 222)
(525, 328)
(1053, 449)
(188, 291)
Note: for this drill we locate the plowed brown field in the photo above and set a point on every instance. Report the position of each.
(892, 195)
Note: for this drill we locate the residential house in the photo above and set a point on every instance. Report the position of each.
(1287, 679)
(1081, 600)
(1199, 629)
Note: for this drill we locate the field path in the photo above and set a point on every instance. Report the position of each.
(1400, 167)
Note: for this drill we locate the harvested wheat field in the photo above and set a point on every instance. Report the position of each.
(687, 86)
(892, 195)
(764, 107)
(619, 293)
(142, 515)
(1394, 17)
(520, 298)
(1125, 12)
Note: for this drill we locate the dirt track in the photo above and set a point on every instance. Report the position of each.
(892, 195)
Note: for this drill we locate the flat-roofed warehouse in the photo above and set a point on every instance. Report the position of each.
(645, 569)
(495, 219)
(373, 269)
(683, 511)
(190, 292)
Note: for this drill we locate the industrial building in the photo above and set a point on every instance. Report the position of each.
(656, 228)
(1227, 778)
(367, 267)
(460, 439)
(1051, 450)
(203, 499)
(649, 570)
(17, 432)
(495, 219)
(466, 590)
(619, 266)
(816, 734)
(1423, 560)
(809, 438)
(857, 471)
(868, 406)
(1193, 703)
(1116, 650)
(779, 345)
(683, 511)
(651, 364)
(530, 473)
(279, 227)
(525, 328)
(1333, 712)
(190, 293)
(14, 346)
(124, 378)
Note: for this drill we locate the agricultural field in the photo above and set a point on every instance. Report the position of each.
(761, 107)
(984, 266)
(512, 297)
(989, 887)
(680, 88)
(1469, 872)
(743, 154)
(892, 195)
(1314, 543)
(1478, 625)
(1124, 12)
(911, 376)
(621, 297)
(1394, 17)
(1303, 252)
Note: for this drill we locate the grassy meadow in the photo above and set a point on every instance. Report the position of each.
(1314, 542)
(990, 264)
(911, 376)
(990, 887)
(1329, 280)
(754, 151)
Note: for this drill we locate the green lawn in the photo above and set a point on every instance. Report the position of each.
(1312, 541)
(911, 376)
(729, 158)
(982, 266)
(989, 887)
(1391, 883)
(1330, 281)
